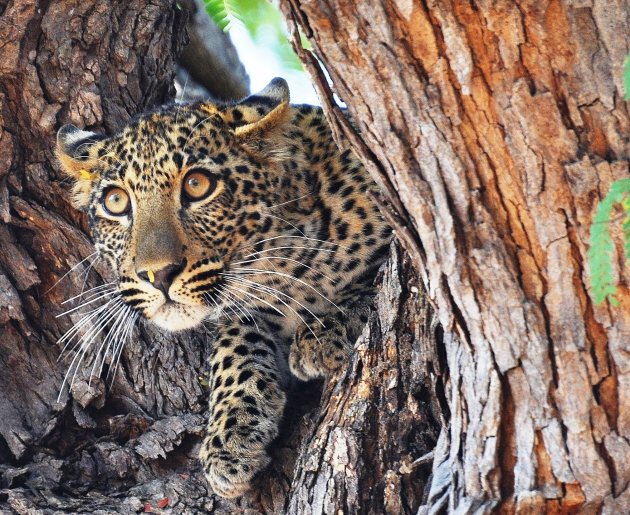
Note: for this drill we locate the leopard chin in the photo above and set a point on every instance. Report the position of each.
(175, 317)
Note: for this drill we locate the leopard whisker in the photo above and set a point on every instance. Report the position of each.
(180, 103)
(273, 279)
(121, 340)
(286, 222)
(70, 333)
(293, 236)
(100, 316)
(290, 201)
(70, 271)
(218, 306)
(240, 304)
(285, 304)
(290, 236)
(102, 350)
(85, 342)
(289, 247)
(112, 336)
(255, 271)
(281, 258)
(117, 353)
(261, 300)
(91, 292)
(333, 251)
(275, 293)
(209, 325)
(81, 306)
(228, 304)
(87, 274)
(285, 295)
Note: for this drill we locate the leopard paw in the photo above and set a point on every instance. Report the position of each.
(231, 475)
(300, 366)
(310, 358)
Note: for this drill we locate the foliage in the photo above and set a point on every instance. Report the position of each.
(601, 250)
(262, 20)
(626, 77)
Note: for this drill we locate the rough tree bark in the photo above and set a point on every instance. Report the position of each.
(494, 128)
(132, 448)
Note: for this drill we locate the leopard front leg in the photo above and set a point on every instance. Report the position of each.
(246, 405)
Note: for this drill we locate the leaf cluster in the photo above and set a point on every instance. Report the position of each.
(263, 22)
(601, 249)
(626, 77)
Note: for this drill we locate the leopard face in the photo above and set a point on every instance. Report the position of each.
(175, 197)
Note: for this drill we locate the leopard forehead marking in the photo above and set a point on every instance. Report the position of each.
(149, 155)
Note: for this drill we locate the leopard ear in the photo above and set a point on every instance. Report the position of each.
(264, 110)
(76, 154)
(74, 150)
(273, 94)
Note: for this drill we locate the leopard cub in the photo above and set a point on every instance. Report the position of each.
(248, 210)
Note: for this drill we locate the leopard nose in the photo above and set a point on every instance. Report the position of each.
(163, 278)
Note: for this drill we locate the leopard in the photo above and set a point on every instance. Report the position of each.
(248, 214)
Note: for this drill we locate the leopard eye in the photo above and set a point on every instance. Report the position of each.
(198, 185)
(116, 201)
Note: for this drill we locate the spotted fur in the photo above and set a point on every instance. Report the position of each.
(284, 250)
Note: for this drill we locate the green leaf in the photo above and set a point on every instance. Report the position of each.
(263, 22)
(626, 227)
(601, 248)
(224, 13)
(626, 77)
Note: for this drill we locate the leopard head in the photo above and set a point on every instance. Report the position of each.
(176, 195)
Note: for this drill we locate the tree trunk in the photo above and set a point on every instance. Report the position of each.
(133, 447)
(94, 64)
(494, 129)
(209, 64)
